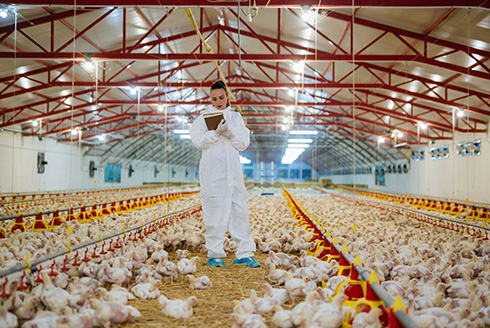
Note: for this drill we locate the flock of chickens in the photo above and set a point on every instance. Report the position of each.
(443, 276)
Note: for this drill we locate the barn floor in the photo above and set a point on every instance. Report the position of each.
(214, 306)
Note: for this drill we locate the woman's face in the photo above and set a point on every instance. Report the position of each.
(219, 99)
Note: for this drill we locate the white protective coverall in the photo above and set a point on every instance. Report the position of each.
(224, 198)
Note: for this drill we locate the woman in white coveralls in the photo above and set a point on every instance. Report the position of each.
(224, 198)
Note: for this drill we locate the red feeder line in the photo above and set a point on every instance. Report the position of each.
(102, 249)
(64, 267)
(94, 254)
(75, 263)
(22, 285)
(4, 294)
(52, 273)
(86, 259)
(39, 279)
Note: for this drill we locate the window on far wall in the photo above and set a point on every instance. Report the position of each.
(112, 173)
(283, 173)
(294, 174)
(306, 174)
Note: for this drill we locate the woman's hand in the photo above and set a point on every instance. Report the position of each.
(222, 128)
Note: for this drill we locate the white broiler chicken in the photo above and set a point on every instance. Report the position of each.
(278, 293)
(7, 319)
(107, 313)
(277, 276)
(52, 296)
(121, 294)
(179, 309)
(167, 269)
(202, 282)
(303, 312)
(187, 266)
(243, 307)
(368, 320)
(247, 321)
(295, 286)
(182, 253)
(147, 290)
(263, 304)
(282, 318)
(27, 310)
(330, 315)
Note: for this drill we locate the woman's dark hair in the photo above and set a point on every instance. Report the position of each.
(221, 85)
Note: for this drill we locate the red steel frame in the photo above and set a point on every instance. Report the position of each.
(58, 117)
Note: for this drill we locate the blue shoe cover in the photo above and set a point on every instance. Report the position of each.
(216, 263)
(248, 261)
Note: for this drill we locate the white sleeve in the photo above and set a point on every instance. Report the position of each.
(241, 135)
(200, 136)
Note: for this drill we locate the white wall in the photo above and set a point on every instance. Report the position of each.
(466, 177)
(67, 168)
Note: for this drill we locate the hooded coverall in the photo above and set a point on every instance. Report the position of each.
(224, 198)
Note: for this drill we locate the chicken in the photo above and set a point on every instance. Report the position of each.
(247, 321)
(27, 309)
(167, 269)
(368, 320)
(187, 266)
(54, 297)
(264, 304)
(278, 293)
(7, 319)
(121, 294)
(277, 276)
(295, 287)
(107, 313)
(330, 315)
(305, 310)
(74, 320)
(282, 318)
(202, 282)
(147, 290)
(179, 309)
(120, 276)
(182, 253)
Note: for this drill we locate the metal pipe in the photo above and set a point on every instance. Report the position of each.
(364, 274)
(11, 217)
(40, 260)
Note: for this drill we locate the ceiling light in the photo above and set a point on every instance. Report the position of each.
(460, 113)
(181, 131)
(161, 108)
(291, 154)
(285, 120)
(399, 134)
(423, 125)
(3, 13)
(185, 136)
(300, 140)
(310, 132)
(155, 88)
(291, 92)
(74, 131)
(284, 127)
(289, 109)
(133, 91)
(381, 139)
(101, 137)
(35, 123)
(88, 64)
(179, 119)
(298, 65)
(298, 145)
(93, 107)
